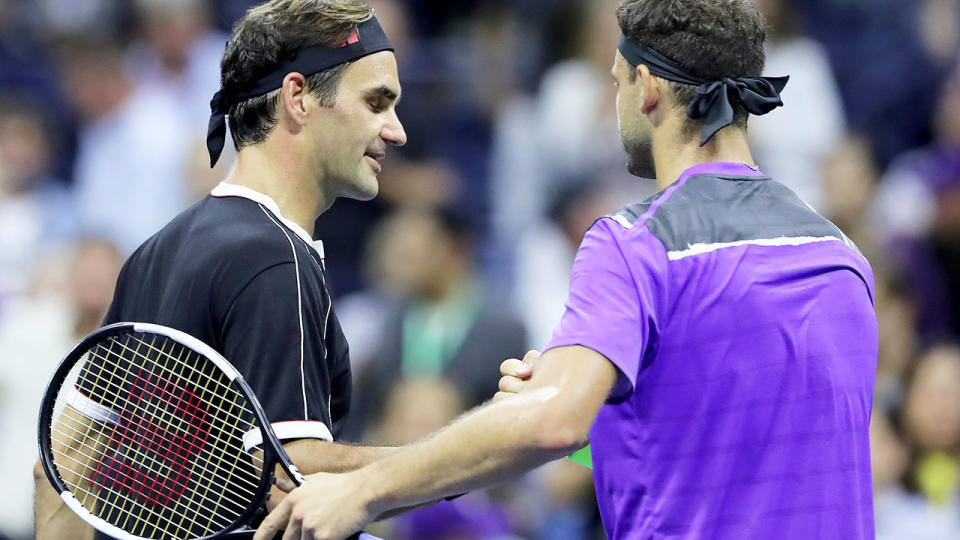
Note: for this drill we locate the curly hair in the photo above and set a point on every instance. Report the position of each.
(712, 39)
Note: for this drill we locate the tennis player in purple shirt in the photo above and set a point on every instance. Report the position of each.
(719, 343)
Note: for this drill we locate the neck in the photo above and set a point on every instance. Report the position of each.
(278, 169)
(675, 151)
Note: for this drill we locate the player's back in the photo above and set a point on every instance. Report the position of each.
(751, 407)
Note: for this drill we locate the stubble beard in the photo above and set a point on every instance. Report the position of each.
(640, 157)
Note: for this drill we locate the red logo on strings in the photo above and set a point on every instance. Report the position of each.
(162, 427)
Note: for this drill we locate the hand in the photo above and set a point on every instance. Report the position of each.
(326, 507)
(515, 373)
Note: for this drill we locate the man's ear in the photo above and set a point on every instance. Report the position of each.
(293, 95)
(650, 89)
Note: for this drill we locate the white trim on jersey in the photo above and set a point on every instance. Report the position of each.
(700, 249)
(296, 429)
(90, 408)
(226, 189)
(622, 220)
(296, 269)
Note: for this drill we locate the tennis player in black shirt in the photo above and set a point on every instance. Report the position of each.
(309, 89)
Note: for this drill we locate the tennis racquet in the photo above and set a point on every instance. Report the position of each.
(142, 432)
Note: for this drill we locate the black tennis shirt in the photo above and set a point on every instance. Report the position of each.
(232, 272)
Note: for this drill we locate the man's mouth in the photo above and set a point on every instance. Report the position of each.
(373, 158)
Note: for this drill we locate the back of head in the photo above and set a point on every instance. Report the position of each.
(268, 35)
(713, 39)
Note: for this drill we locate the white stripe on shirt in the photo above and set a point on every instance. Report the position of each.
(296, 266)
(699, 249)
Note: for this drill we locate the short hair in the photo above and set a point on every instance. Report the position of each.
(712, 39)
(266, 36)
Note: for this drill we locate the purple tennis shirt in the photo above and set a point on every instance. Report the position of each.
(742, 325)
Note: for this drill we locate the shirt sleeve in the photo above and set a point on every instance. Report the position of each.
(263, 337)
(612, 308)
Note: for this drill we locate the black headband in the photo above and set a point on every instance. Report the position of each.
(759, 95)
(368, 39)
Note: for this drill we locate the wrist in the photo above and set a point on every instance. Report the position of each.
(370, 490)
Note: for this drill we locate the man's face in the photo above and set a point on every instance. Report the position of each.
(352, 136)
(636, 131)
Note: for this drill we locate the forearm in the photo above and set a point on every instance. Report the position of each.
(314, 455)
(53, 520)
(490, 445)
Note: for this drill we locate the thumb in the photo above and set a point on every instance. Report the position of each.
(531, 357)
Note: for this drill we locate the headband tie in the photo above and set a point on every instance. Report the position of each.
(759, 95)
(369, 38)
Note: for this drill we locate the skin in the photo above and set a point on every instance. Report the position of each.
(315, 153)
(312, 156)
(551, 412)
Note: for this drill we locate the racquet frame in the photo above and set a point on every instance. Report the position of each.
(273, 452)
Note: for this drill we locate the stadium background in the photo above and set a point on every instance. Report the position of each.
(463, 258)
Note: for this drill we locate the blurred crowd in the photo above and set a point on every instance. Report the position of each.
(462, 260)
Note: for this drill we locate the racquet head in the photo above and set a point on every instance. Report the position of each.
(142, 432)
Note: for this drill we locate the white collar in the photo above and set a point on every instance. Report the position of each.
(226, 189)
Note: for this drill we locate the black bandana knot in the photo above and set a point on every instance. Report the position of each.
(759, 95)
(217, 127)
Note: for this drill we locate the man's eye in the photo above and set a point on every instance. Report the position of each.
(376, 107)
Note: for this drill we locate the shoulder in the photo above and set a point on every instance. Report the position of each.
(240, 230)
(217, 240)
(719, 210)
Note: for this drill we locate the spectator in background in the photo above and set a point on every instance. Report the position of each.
(567, 131)
(931, 422)
(26, 70)
(898, 339)
(794, 155)
(919, 205)
(37, 329)
(850, 177)
(940, 30)
(69, 19)
(545, 253)
(177, 53)
(899, 515)
(36, 211)
(451, 325)
(130, 169)
(364, 313)
(872, 43)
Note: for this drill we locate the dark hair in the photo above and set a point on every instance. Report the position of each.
(265, 37)
(710, 38)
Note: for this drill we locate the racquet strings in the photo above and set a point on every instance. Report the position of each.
(147, 435)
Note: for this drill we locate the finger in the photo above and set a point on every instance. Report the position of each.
(285, 485)
(531, 357)
(294, 530)
(515, 368)
(510, 384)
(276, 497)
(509, 366)
(502, 395)
(274, 522)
